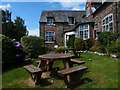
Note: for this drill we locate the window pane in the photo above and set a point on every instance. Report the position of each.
(81, 28)
(95, 34)
(81, 34)
(111, 27)
(103, 22)
(103, 28)
(107, 29)
(50, 20)
(107, 20)
(86, 34)
(49, 36)
(86, 26)
(110, 18)
(71, 20)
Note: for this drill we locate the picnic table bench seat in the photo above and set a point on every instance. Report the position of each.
(74, 61)
(72, 70)
(35, 72)
(72, 75)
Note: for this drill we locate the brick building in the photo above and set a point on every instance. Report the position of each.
(54, 23)
(98, 17)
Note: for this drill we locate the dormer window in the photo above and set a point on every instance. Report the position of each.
(50, 20)
(71, 20)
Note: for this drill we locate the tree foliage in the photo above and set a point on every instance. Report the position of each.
(34, 44)
(13, 29)
(106, 38)
(8, 49)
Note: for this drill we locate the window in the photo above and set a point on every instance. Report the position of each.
(84, 31)
(50, 20)
(95, 30)
(107, 23)
(49, 36)
(71, 20)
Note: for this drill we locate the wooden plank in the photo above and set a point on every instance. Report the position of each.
(77, 62)
(37, 62)
(32, 69)
(71, 70)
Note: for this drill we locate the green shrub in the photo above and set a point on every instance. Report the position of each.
(94, 48)
(79, 44)
(115, 47)
(34, 45)
(70, 42)
(118, 47)
(105, 39)
(8, 49)
(87, 44)
(60, 49)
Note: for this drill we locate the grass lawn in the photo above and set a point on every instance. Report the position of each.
(102, 73)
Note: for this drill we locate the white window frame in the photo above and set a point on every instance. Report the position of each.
(49, 36)
(84, 29)
(104, 25)
(95, 29)
(69, 21)
(52, 21)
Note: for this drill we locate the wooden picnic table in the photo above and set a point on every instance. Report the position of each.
(65, 58)
(69, 70)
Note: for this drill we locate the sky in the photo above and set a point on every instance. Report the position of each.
(31, 11)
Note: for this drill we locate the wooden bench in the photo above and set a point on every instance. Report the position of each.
(78, 52)
(72, 74)
(35, 72)
(74, 61)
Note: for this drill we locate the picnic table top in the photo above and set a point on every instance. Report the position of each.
(55, 56)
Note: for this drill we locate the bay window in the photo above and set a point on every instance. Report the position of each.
(107, 23)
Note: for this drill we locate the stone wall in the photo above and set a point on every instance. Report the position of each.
(58, 28)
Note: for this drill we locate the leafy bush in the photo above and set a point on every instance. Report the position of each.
(34, 44)
(94, 48)
(87, 44)
(8, 49)
(115, 47)
(118, 47)
(79, 44)
(60, 49)
(105, 39)
(70, 42)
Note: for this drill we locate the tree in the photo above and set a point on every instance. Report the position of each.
(14, 30)
(6, 16)
(20, 28)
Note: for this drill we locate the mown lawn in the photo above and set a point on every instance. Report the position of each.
(102, 73)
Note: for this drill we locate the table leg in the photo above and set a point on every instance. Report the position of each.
(67, 64)
(42, 64)
(75, 53)
(49, 65)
